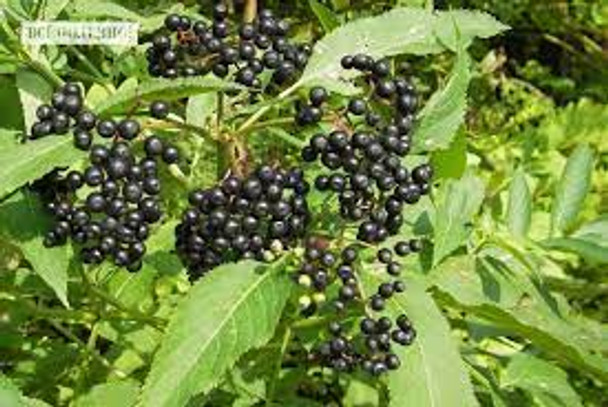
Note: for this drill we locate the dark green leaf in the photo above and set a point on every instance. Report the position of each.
(572, 189)
(433, 374)
(519, 209)
(228, 312)
(326, 17)
(23, 163)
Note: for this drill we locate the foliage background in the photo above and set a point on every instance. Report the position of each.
(518, 221)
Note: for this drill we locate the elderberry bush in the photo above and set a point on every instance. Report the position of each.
(246, 51)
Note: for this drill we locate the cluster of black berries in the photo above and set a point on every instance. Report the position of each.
(371, 349)
(243, 218)
(366, 168)
(66, 113)
(112, 216)
(310, 113)
(250, 49)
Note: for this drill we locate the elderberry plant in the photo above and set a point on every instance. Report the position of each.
(275, 203)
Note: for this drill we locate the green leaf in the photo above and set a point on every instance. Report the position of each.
(462, 26)
(326, 17)
(401, 30)
(432, 373)
(451, 163)
(10, 396)
(129, 98)
(511, 301)
(546, 383)
(361, 394)
(519, 209)
(200, 109)
(23, 163)
(115, 394)
(228, 312)
(51, 9)
(84, 9)
(459, 202)
(444, 113)
(590, 250)
(33, 91)
(596, 230)
(22, 220)
(572, 189)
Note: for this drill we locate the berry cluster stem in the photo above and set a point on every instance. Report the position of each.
(251, 10)
(262, 111)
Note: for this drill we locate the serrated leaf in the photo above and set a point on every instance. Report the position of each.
(23, 221)
(444, 113)
(432, 372)
(459, 202)
(115, 394)
(23, 163)
(590, 250)
(519, 209)
(512, 302)
(228, 312)
(462, 26)
(126, 99)
(401, 30)
(325, 16)
(547, 384)
(572, 189)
